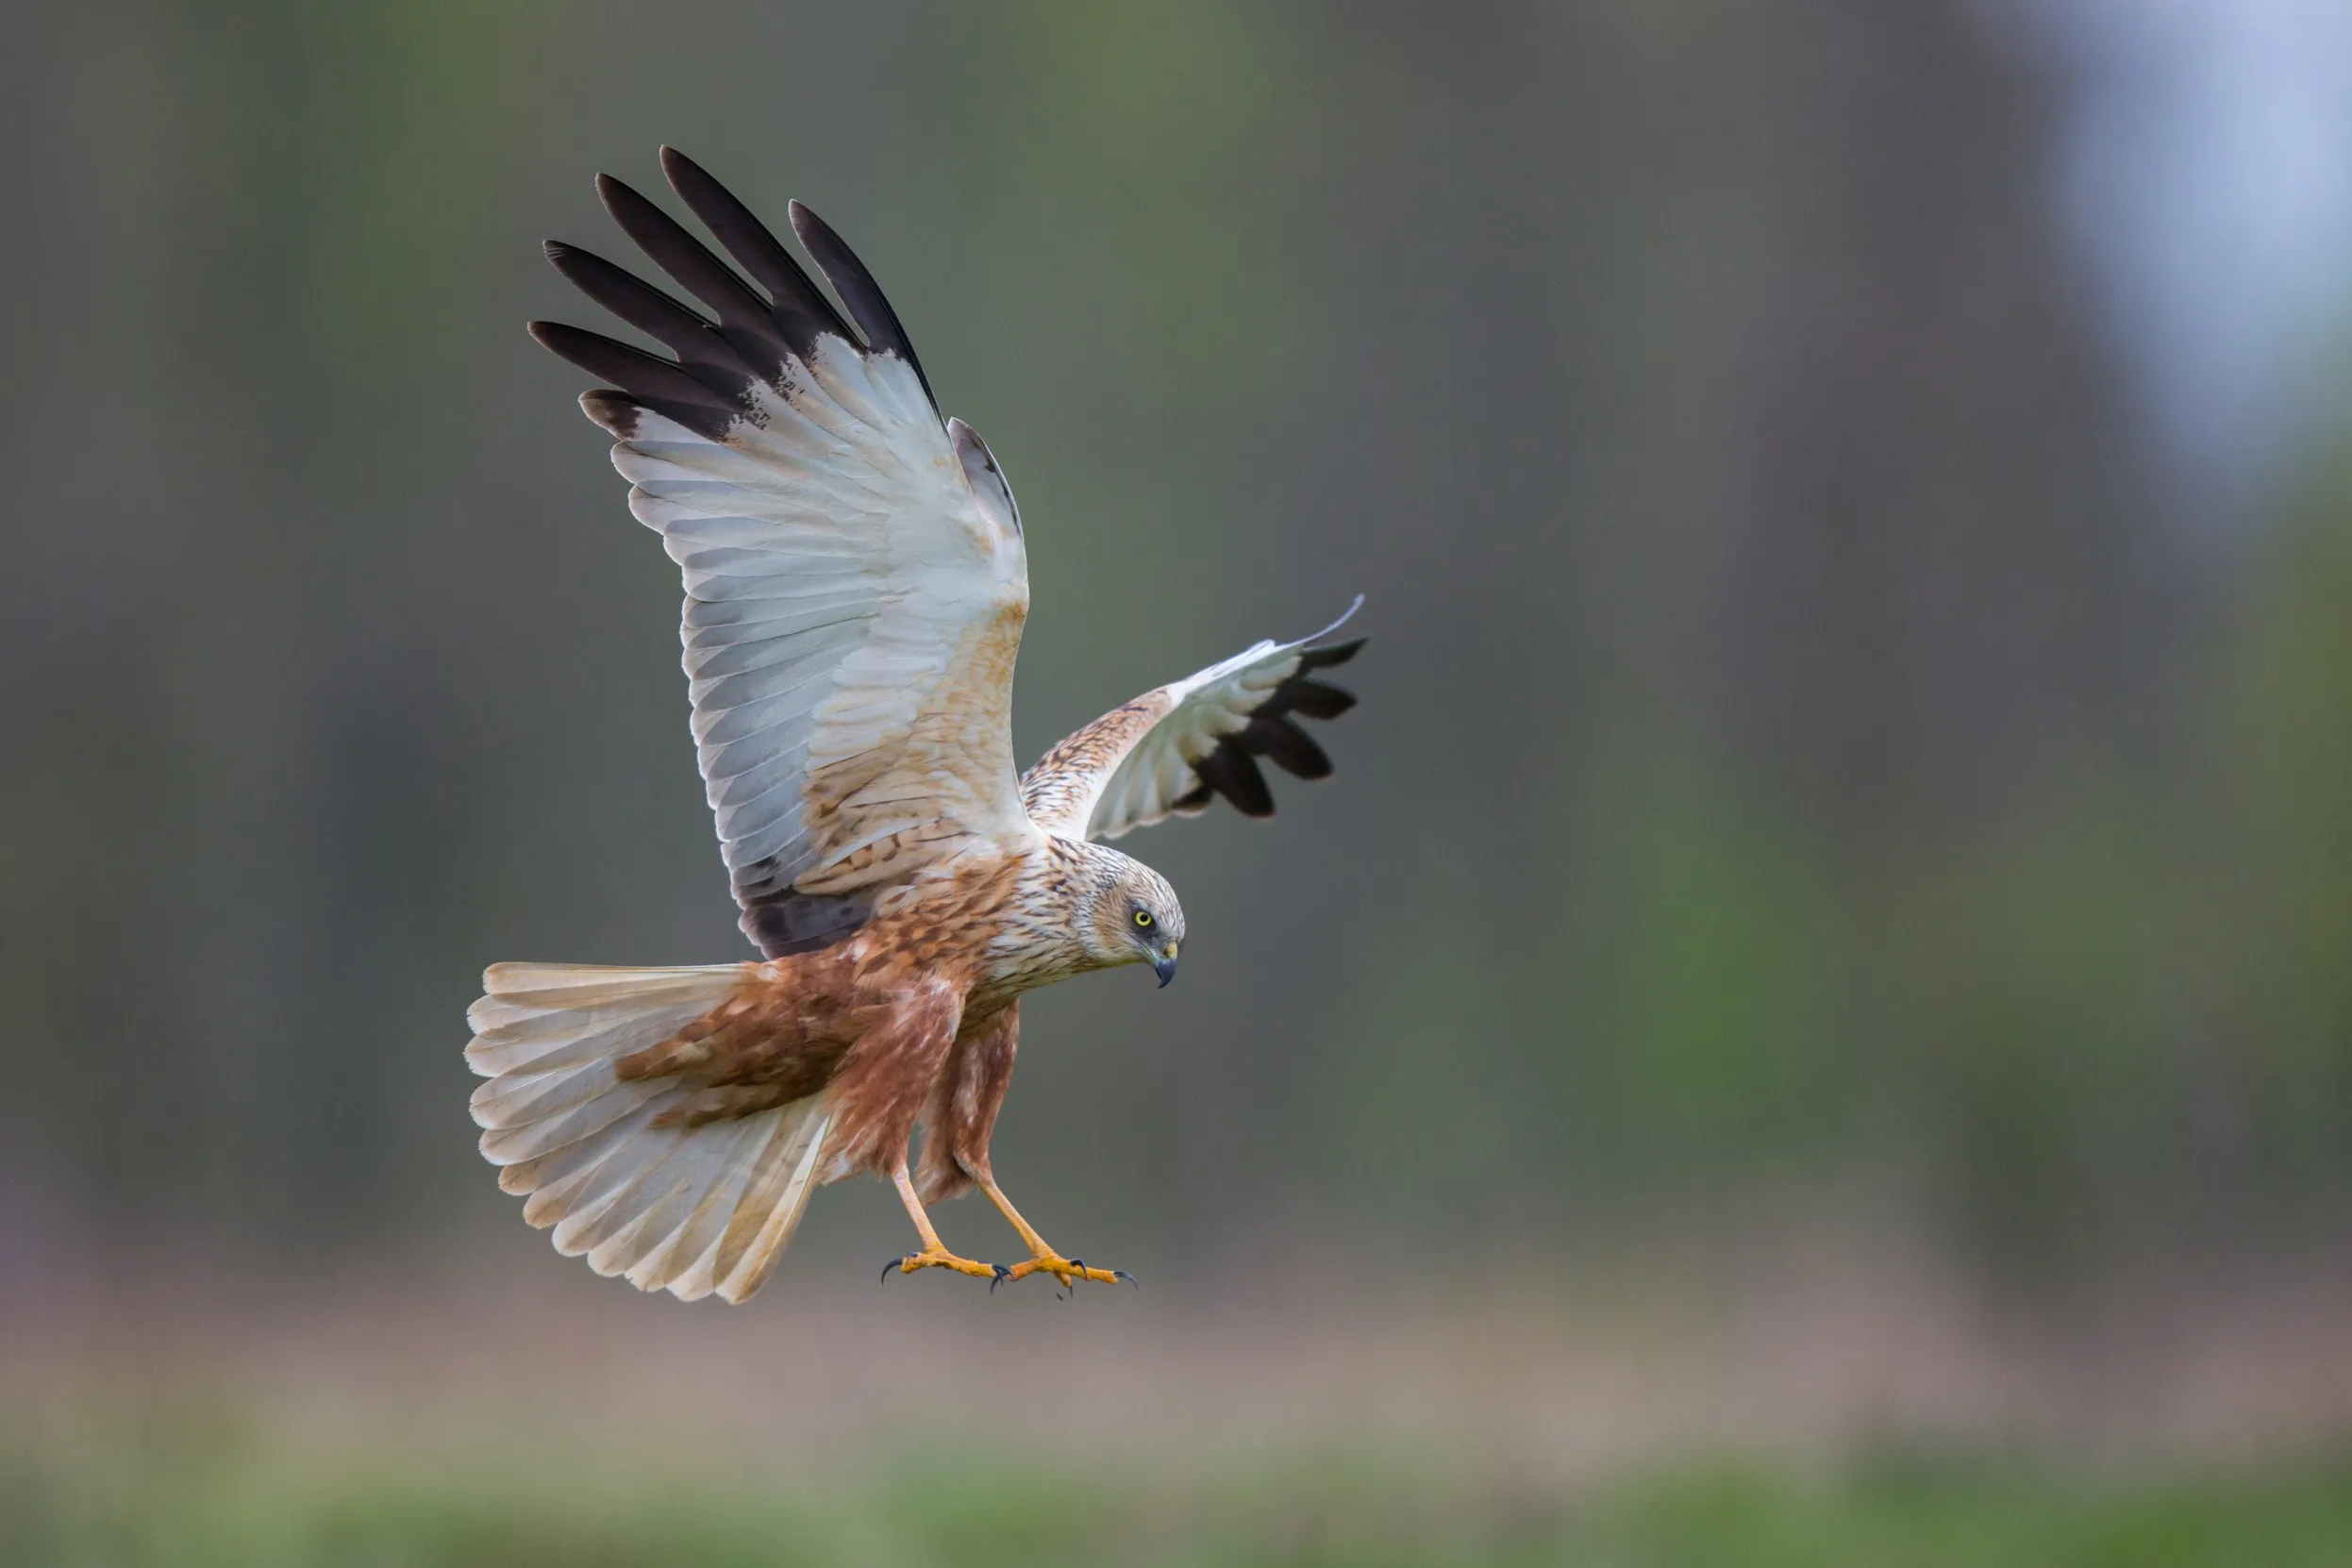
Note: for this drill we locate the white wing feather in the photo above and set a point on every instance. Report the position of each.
(855, 584)
(1143, 762)
(852, 611)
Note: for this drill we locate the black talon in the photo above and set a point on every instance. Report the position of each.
(898, 1263)
(997, 1278)
(1122, 1274)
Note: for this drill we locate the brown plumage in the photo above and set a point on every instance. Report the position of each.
(857, 584)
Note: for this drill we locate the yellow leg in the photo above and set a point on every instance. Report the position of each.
(934, 1254)
(1043, 1258)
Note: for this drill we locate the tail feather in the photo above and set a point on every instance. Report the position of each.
(588, 985)
(608, 1104)
(696, 1211)
(712, 1203)
(514, 1102)
(612, 1194)
(539, 1041)
(663, 1169)
(547, 1171)
(775, 1191)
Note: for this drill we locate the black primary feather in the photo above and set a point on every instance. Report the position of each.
(1313, 699)
(684, 332)
(1291, 749)
(1273, 733)
(709, 385)
(745, 318)
(799, 308)
(860, 296)
(1229, 771)
(1335, 653)
(664, 387)
(617, 413)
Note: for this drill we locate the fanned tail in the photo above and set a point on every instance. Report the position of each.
(689, 1210)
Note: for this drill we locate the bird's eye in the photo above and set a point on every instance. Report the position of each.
(1144, 918)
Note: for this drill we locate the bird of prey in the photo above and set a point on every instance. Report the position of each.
(856, 585)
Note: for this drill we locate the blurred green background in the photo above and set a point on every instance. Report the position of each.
(1834, 911)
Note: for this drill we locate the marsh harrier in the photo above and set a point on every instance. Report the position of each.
(855, 584)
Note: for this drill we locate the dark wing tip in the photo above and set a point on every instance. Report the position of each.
(1232, 774)
(1274, 733)
(860, 296)
(1334, 652)
(661, 385)
(632, 209)
(1313, 699)
(616, 412)
(685, 332)
(801, 313)
(679, 170)
(639, 216)
(1289, 747)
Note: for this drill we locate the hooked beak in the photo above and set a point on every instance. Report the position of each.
(1164, 966)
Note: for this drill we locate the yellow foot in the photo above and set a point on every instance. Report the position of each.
(1069, 1271)
(940, 1258)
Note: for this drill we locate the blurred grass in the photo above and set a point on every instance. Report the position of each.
(188, 1491)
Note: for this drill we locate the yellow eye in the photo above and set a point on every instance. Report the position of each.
(1144, 918)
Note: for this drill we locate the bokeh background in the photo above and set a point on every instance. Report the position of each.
(1814, 1024)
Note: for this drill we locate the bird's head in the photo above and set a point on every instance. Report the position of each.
(1136, 919)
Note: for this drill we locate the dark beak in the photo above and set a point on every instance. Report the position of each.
(1164, 966)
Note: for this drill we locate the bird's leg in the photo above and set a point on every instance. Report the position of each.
(934, 1254)
(1043, 1258)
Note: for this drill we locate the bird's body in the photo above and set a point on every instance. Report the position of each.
(856, 587)
(983, 929)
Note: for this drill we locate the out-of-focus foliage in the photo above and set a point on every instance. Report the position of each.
(1801, 753)
(162, 1494)
(2286, 726)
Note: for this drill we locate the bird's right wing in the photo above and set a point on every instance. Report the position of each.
(856, 583)
(1176, 748)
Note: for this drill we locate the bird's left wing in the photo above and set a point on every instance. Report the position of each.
(1175, 749)
(856, 583)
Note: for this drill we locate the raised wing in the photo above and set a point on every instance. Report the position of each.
(1176, 748)
(855, 578)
